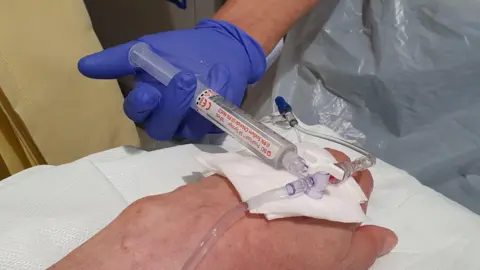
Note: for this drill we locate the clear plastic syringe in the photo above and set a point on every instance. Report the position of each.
(275, 150)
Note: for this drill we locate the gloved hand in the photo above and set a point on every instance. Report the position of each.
(222, 56)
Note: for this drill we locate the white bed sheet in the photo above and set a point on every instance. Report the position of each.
(47, 211)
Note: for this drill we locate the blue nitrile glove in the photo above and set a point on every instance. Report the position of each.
(222, 56)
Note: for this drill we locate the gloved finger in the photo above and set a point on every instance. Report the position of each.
(217, 79)
(108, 64)
(173, 107)
(141, 102)
(215, 130)
(369, 243)
(195, 126)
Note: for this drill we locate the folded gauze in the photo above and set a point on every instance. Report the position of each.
(251, 177)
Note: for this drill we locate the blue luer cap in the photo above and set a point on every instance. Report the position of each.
(180, 3)
(282, 105)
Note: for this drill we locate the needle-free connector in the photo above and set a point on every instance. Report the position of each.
(313, 186)
(358, 165)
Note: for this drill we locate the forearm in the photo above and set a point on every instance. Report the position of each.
(266, 21)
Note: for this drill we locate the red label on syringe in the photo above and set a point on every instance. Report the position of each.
(207, 105)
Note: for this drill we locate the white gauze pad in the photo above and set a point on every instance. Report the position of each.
(251, 177)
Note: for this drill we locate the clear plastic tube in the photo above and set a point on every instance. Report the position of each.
(209, 240)
(299, 138)
(366, 161)
(335, 140)
(360, 164)
(228, 220)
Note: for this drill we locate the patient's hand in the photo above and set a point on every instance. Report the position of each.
(160, 232)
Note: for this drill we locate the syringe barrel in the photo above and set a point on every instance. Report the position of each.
(141, 56)
(254, 135)
(257, 137)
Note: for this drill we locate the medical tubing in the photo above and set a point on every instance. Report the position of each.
(274, 149)
(349, 167)
(268, 196)
(223, 224)
(299, 137)
(371, 158)
(333, 139)
(359, 164)
(227, 220)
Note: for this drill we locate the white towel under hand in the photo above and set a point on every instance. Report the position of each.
(251, 177)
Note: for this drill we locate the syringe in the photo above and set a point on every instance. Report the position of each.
(275, 150)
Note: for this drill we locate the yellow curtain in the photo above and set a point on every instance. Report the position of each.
(49, 112)
(17, 149)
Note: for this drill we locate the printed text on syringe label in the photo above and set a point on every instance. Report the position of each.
(206, 105)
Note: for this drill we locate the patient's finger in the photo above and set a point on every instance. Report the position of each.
(365, 181)
(364, 178)
(337, 155)
(369, 243)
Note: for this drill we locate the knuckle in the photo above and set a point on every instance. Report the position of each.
(143, 206)
(338, 155)
(364, 177)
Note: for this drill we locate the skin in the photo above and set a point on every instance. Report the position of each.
(258, 21)
(160, 232)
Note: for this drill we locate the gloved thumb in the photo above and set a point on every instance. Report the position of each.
(108, 64)
(195, 126)
(369, 243)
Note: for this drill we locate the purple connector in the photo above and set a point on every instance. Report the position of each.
(314, 186)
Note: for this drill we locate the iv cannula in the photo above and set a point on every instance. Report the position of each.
(274, 149)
